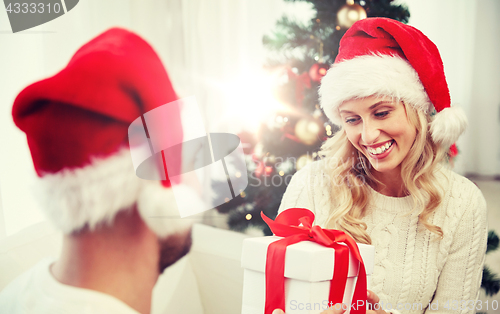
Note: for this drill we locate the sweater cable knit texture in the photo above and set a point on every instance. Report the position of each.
(413, 267)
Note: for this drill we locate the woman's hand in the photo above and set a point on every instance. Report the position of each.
(373, 299)
(336, 309)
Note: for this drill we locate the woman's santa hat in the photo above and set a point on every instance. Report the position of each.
(381, 56)
(76, 123)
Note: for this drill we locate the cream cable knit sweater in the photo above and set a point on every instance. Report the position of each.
(411, 267)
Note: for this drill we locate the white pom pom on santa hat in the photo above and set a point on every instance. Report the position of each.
(448, 125)
(159, 209)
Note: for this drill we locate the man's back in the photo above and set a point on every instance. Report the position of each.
(37, 291)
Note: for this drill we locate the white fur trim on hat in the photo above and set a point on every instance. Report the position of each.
(158, 208)
(94, 194)
(371, 75)
(448, 125)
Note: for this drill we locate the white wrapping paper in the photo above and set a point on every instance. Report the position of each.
(308, 270)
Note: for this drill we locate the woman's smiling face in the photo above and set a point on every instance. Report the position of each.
(379, 128)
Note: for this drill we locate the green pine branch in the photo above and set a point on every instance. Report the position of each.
(289, 35)
(490, 282)
(385, 8)
(492, 242)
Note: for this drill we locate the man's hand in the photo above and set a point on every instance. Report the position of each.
(373, 299)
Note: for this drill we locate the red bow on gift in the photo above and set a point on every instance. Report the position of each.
(295, 225)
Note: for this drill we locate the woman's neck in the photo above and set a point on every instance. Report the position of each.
(392, 183)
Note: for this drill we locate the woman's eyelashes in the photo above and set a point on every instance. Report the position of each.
(381, 114)
(351, 120)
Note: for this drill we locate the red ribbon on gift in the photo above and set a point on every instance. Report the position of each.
(295, 225)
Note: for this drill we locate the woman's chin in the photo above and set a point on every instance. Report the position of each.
(382, 166)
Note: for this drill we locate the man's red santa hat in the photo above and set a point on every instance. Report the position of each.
(76, 123)
(381, 56)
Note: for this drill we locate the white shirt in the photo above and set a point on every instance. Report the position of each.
(37, 291)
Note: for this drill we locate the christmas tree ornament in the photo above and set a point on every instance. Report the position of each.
(262, 166)
(270, 159)
(317, 71)
(307, 131)
(280, 122)
(251, 162)
(452, 154)
(248, 141)
(259, 171)
(303, 161)
(328, 129)
(317, 113)
(302, 82)
(350, 13)
(285, 166)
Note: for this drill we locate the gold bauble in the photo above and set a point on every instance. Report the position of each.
(303, 160)
(350, 14)
(307, 131)
(270, 159)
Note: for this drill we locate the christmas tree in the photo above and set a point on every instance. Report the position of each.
(490, 281)
(291, 139)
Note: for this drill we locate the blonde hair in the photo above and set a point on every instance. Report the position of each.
(349, 180)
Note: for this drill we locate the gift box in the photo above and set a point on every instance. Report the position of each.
(308, 271)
